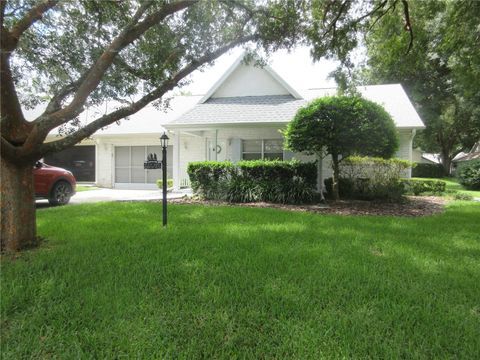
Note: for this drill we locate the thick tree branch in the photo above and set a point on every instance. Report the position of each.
(32, 16)
(3, 4)
(123, 112)
(408, 25)
(132, 32)
(12, 122)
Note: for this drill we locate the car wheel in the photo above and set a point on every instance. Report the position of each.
(61, 193)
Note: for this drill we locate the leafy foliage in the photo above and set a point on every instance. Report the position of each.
(469, 174)
(342, 126)
(160, 183)
(428, 170)
(251, 181)
(420, 186)
(369, 178)
(441, 73)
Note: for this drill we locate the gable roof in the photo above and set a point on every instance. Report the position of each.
(148, 120)
(280, 109)
(236, 65)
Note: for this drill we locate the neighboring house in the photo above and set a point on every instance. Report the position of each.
(461, 157)
(473, 154)
(240, 117)
(421, 157)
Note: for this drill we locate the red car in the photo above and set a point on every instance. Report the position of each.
(53, 183)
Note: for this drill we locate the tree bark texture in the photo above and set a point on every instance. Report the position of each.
(18, 228)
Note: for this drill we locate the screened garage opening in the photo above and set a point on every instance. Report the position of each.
(80, 160)
(129, 171)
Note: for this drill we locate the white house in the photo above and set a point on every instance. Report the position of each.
(240, 117)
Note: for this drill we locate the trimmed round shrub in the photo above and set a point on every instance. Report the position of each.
(469, 174)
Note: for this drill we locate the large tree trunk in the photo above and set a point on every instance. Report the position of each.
(18, 227)
(320, 177)
(446, 163)
(335, 178)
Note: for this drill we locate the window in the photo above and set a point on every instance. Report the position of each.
(129, 164)
(262, 149)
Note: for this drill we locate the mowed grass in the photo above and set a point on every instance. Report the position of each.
(80, 188)
(228, 282)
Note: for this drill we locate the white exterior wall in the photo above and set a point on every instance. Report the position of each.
(250, 81)
(195, 148)
(105, 162)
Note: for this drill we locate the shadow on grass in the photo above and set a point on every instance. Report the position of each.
(224, 281)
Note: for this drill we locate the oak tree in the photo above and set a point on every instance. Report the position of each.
(74, 54)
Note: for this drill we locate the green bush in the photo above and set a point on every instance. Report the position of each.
(346, 188)
(469, 174)
(419, 186)
(368, 178)
(463, 196)
(428, 170)
(251, 181)
(169, 183)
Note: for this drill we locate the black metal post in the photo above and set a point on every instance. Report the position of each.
(164, 184)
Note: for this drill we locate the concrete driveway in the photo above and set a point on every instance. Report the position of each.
(97, 195)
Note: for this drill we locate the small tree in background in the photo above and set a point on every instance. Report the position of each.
(341, 126)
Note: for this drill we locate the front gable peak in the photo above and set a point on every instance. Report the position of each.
(243, 79)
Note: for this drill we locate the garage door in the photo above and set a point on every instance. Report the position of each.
(80, 160)
(129, 171)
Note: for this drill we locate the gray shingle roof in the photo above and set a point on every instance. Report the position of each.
(282, 108)
(245, 109)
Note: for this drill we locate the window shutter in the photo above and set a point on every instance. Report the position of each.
(236, 149)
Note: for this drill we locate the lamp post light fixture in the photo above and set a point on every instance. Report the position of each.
(152, 163)
(164, 143)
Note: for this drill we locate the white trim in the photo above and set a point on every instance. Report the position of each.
(176, 161)
(232, 68)
(282, 82)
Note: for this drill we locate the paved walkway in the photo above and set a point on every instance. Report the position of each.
(97, 195)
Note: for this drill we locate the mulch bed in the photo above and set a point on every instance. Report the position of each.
(412, 206)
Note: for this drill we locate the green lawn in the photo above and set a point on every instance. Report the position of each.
(228, 282)
(454, 185)
(79, 188)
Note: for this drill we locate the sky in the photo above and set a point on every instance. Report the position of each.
(296, 68)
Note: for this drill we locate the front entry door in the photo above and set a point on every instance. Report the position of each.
(218, 153)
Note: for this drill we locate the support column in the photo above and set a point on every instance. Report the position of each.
(176, 161)
(216, 145)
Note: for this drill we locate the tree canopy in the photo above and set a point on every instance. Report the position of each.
(441, 73)
(73, 54)
(342, 126)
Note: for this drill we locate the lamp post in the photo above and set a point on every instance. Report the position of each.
(164, 143)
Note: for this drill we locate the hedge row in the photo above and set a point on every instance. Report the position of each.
(365, 189)
(251, 181)
(428, 170)
(370, 178)
(419, 186)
